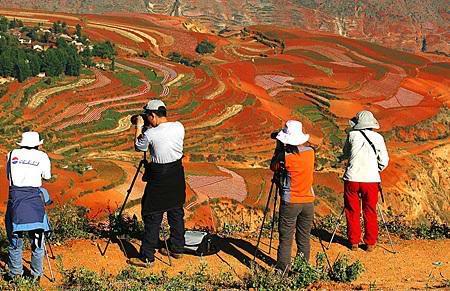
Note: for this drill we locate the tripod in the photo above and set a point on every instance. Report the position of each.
(142, 163)
(275, 184)
(380, 212)
(52, 278)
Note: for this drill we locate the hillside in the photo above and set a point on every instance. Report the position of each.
(230, 95)
(398, 24)
(229, 104)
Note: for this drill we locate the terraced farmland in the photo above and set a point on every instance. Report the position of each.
(229, 105)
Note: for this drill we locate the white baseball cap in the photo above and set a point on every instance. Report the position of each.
(30, 139)
(292, 133)
(154, 105)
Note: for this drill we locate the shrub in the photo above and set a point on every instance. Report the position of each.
(205, 47)
(125, 226)
(19, 283)
(303, 274)
(178, 58)
(344, 272)
(132, 279)
(83, 279)
(69, 221)
(431, 230)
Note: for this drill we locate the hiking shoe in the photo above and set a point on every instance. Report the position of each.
(370, 248)
(11, 277)
(175, 255)
(140, 262)
(354, 247)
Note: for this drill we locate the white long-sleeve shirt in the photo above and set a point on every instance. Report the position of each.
(165, 142)
(363, 163)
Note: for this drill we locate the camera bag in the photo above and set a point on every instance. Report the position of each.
(201, 243)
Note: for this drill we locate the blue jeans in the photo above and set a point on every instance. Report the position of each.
(15, 250)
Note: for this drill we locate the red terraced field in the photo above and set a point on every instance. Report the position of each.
(229, 105)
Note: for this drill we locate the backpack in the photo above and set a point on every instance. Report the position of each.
(201, 243)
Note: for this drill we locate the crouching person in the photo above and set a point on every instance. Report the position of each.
(25, 214)
(294, 162)
(166, 188)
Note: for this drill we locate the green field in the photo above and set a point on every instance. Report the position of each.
(128, 79)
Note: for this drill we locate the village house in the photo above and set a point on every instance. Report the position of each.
(38, 48)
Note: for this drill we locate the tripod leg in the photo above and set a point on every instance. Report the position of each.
(335, 229)
(163, 228)
(387, 230)
(273, 218)
(323, 247)
(141, 163)
(52, 279)
(167, 248)
(262, 223)
(51, 251)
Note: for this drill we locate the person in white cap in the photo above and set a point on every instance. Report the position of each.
(25, 213)
(166, 187)
(367, 157)
(294, 162)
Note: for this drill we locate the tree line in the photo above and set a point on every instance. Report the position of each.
(23, 62)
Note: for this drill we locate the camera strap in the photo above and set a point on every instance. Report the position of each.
(373, 147)
(380, 188)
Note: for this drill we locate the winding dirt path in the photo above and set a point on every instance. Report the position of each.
(227, 114)
(40, 97)
(123, 125)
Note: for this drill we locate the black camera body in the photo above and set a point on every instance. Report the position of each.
(135, 117)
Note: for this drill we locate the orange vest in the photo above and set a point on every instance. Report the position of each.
(297, 185)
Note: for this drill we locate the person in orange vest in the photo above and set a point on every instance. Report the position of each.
(294, 162)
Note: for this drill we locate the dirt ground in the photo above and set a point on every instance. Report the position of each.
(418, 264)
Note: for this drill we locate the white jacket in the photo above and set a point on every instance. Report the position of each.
(363, 164)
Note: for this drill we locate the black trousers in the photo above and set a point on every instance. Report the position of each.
(152, 225)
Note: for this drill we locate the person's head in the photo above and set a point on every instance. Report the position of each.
(155, 112)
(292, 135)
(364, 120)
(30, 140)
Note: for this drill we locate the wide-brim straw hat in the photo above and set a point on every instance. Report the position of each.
(292, 133)
(364, 120)
(30, 139)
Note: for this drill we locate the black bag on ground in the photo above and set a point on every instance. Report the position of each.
(201, 243)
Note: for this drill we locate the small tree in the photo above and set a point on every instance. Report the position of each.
(22, 70)
(424, 45)
(113, 64)
(4, 24)
(105, 50)
(78, 30)
(205, 47)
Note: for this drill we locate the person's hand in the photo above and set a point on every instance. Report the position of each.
(139, 121)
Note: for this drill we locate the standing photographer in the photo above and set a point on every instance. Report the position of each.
(366, 151)
(166, 187)
(294, 164)
(25, 214)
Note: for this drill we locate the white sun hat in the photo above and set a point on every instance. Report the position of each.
(30, 139)
(154, 105)
(364, 119)
(292, 133)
